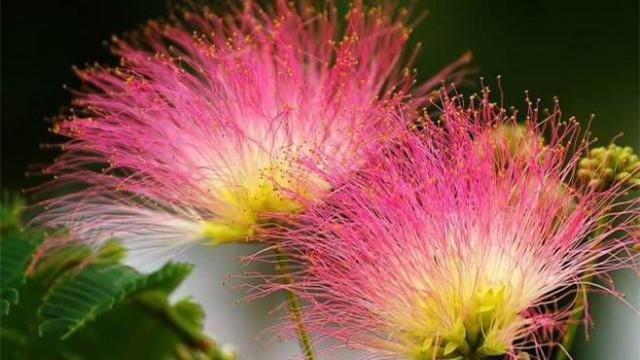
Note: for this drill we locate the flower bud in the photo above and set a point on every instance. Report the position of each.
(605, 166)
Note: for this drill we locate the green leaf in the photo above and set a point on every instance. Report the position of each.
(166, 279)
(10, 211)
(17, 249)
(16, 253)
(76, 303)
(4, 306)
(8, 297)
(78, 298)
(189, 313)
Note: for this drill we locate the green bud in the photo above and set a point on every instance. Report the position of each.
(605, 166)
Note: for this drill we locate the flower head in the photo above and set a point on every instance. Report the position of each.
(464, 241)
(202, 127)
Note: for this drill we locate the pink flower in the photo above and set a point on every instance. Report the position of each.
(468, 238)
(201, 128)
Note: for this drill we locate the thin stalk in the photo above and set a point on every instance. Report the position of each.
(293, 304)
(578, 308)
(572, 329)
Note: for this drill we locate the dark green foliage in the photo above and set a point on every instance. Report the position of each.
(75, 303)
(16, 251)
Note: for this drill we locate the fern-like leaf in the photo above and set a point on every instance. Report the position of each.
(76, 303)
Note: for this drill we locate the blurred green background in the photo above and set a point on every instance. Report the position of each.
(584, 52)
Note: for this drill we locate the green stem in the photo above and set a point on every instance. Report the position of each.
(295, 310)
(578, 308)
(574, 320)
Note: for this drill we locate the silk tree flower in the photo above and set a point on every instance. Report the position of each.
(468, 239)
(201, 127)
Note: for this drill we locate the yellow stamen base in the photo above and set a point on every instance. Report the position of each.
(219, 233)
(243, 206)
(477, 333)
